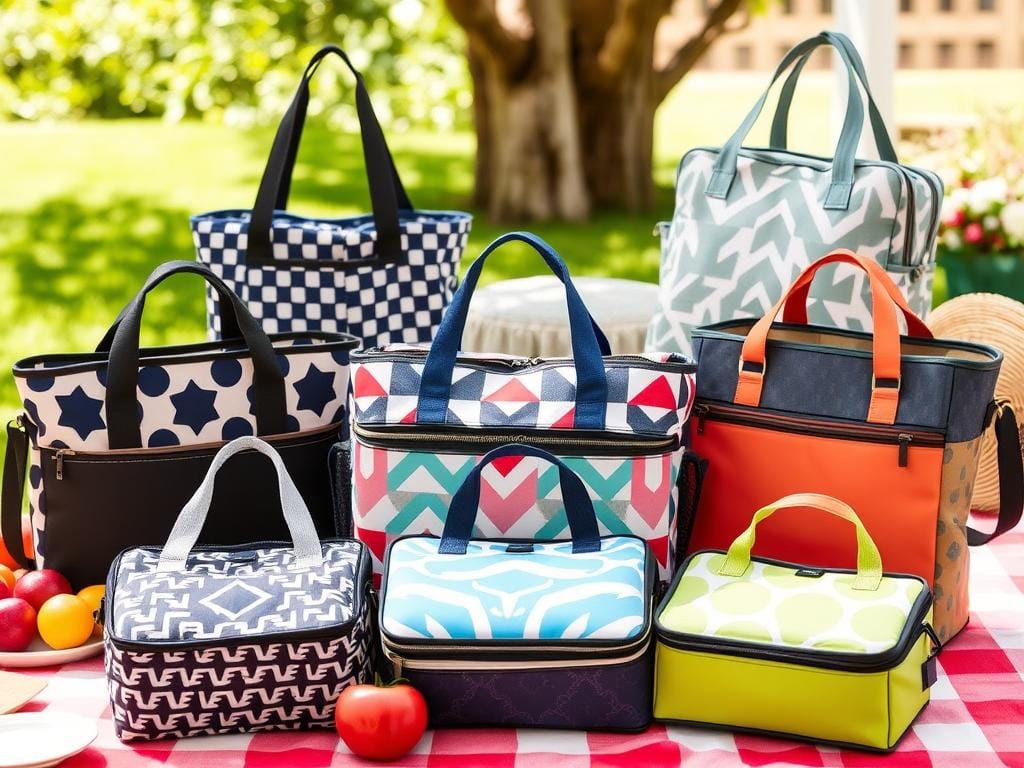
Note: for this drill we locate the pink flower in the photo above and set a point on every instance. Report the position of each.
(957, 219)
(974, 233)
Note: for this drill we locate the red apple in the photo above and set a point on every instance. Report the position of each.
(5, 591)
(17, 624)
(36, 587)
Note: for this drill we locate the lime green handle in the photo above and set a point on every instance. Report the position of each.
(869, 561)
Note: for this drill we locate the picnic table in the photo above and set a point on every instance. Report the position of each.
(975, 718)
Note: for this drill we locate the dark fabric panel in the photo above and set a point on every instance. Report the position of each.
(973, 392)
(828, 382)
(102, 506)
(340, 461)
(612, 697)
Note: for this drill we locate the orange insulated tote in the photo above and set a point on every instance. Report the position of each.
(890, 423)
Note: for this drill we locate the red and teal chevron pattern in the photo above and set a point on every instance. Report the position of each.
(404, 492)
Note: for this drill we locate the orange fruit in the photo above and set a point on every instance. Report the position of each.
(64, 621)
(7, 576)
(91, 596)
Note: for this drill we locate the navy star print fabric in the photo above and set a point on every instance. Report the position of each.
(184, 402)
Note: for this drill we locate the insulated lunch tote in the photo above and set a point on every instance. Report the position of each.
(889, 423)
(113, 442)
(747, 221)
(384, 277)
(210, 640)
(423, 417)
(821, 653)
(523, 632)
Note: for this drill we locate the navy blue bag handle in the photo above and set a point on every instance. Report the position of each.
(579, 509)
(846, 49)
(387, 195)
(841, 187)
(587, 347)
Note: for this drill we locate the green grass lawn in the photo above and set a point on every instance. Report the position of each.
(88, 209)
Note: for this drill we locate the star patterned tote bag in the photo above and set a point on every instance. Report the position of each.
(113, 442)
(424, 417)
(748, 221)
(384, 277)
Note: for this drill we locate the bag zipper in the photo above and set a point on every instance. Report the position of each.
(779, 422)
(590, 443)
(509, 654)
(111, 454)
(825, 164)
(362, 574)
(819, 658)
(935, 184)
(517, 658)
(916, 625)
(378, 354)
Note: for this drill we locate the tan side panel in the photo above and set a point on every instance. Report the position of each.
(959, 464)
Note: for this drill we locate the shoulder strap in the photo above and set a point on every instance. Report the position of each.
(15, 463)
(1011, 476)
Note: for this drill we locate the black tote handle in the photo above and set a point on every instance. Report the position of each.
(1011, 475)
(229, 301)
(15, 466)
(387, 195)
(123, 362)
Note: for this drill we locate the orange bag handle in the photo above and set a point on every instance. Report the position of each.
(885, 381)
(795, 310)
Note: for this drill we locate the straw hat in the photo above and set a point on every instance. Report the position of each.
(988, 318)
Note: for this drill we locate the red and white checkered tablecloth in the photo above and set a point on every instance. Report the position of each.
(975, 719)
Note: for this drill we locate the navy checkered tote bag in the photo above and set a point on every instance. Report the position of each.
(384, 277)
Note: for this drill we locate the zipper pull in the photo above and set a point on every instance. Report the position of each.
(60, 461)
(524, 362)
(702, 412)
(904, 441)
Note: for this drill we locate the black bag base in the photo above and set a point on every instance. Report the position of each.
(88, 520)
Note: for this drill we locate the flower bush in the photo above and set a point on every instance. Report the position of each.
(983, 170)
(983, 216)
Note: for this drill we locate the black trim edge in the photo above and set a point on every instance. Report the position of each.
(821, 658)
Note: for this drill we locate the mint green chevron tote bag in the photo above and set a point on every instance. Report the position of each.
(748, 221)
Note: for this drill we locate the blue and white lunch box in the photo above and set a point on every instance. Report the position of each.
(519, 633)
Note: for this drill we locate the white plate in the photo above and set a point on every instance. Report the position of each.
(40, 739)
(39, 654)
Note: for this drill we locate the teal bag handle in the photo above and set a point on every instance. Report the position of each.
(839, 191)
(846, 49)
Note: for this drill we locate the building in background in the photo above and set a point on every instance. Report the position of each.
(933, 34)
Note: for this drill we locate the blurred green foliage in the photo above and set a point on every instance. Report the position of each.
(231, 61)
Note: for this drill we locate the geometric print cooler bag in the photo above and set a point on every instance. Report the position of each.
(384, 277)
(207, 640)
(423, 418)
(748, 221)
(113, 442)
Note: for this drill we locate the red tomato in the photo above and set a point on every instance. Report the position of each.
(381, 722)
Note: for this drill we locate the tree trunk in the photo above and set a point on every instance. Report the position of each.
(617, 115)
(529, 164)
(564, 105)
